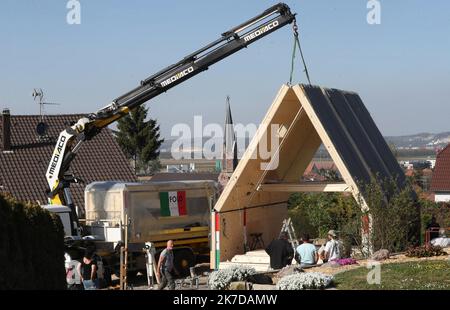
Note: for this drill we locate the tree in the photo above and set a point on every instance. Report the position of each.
(139, 139)
(394, 149)
(395, 214)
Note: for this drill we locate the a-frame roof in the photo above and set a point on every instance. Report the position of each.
(301, 118)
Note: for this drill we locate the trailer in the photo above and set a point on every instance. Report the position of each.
(150, 212)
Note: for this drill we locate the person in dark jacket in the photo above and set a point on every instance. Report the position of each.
(88, 271)
(280, 252)
(434, 228)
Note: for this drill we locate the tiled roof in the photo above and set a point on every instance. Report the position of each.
(313, 171)
(441, 175)
(316, 166)
(22, 171)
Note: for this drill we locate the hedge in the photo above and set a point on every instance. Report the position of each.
(31, 247)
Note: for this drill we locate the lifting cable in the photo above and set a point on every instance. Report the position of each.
(297, 44)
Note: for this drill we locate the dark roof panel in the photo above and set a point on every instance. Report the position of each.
(375, 136)
(354, 134)
(325, 111)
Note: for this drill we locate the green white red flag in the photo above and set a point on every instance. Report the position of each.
(173, 203)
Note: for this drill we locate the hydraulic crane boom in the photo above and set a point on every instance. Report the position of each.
(71, 139)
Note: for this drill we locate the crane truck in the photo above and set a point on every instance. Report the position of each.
(70, 140)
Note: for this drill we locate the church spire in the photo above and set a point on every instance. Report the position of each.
(229, 161)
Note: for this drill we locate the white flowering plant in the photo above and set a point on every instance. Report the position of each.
(304, 281)
(221, 279)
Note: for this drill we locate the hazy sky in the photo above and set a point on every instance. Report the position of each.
(400, 68)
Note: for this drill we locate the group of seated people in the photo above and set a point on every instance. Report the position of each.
(281, 252)
(308, 255)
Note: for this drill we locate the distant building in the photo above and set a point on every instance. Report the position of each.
(432, 163)
(26, 148)
(440, 183)
(425, 179)
(409, 172)
(321, 171)
(167, 176)
(188, 165)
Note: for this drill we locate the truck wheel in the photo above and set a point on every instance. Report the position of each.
(184, 258)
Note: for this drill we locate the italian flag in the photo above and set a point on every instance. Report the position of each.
(173, 203)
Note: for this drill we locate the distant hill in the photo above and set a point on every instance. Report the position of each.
(405, 144)
(421, 140)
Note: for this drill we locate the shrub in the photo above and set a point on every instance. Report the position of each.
(425, 251)
(317, 213)
(221, 279)
(31, 247)
(304, 280)
(395, 215)
(441, 211)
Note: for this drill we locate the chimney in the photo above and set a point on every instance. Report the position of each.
(6, 130)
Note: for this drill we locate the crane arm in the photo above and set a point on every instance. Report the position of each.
(71, 139)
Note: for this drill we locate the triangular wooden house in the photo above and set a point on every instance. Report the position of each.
(298, 121)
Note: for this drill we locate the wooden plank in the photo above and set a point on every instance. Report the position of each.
(244, 259)
(257, 253)
(240, 191)
(248, 171)
(305, 187)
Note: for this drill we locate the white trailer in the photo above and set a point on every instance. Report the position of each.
(156, 212)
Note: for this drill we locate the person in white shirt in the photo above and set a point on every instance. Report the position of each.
(332, 251)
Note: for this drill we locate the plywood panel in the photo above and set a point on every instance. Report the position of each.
(267, 220)
(241, 189)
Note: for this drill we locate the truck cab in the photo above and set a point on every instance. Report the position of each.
(64, 214)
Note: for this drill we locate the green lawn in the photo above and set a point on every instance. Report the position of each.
(425, 275)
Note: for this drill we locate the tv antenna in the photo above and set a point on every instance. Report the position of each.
(38, 95)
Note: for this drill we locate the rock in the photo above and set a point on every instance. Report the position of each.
(261, 287)
(239, 286)
(200, 269)
(331, 264)
(380, 255)
(288, 270)
(260, 279)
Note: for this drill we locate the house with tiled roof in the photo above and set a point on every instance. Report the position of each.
(25, 152)
(440, 182)
(318, 170)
